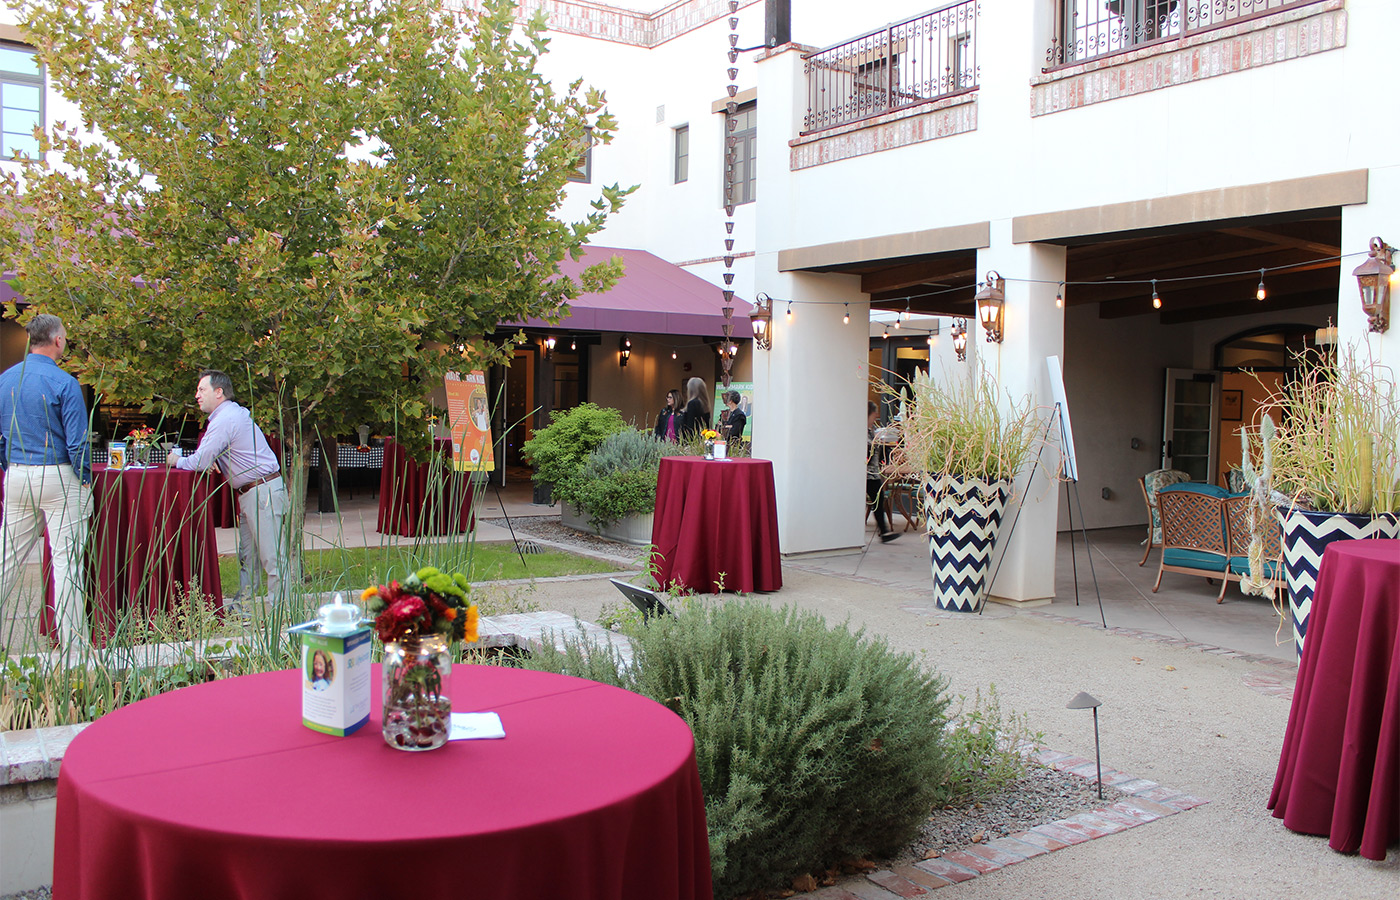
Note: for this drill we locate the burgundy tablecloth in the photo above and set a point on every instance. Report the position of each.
(218, 791)
(716, 523)
(1339, 773)
(423, 498)
(151, 537)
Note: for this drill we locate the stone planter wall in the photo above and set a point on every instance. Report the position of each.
(634, 530)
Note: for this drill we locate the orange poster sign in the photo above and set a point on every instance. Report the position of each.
(469, 414)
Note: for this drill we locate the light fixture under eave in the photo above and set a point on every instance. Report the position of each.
(624, 351)
(1259, 292)
(1156, 301)
(1060, 296)
(959, 332)
(549, 342)
(1373, 280)
(846, 319)
(991, 305)
(761, 320)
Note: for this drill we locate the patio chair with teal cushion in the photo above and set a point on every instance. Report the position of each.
(1193, 531)
(1150, 484)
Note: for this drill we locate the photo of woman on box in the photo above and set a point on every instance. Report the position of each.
(322, 670)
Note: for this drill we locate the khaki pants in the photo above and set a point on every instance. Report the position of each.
(39, 497)
(262, 514)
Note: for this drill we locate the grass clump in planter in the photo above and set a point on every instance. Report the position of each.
(814, 744)
(618, 479)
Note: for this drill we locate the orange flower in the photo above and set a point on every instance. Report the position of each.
(371, 591)
(449, 614)
(470, 635)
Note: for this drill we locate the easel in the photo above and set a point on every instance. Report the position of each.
(1069, 473)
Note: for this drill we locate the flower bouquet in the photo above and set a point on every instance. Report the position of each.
(708, 436)
(418, 619)
(141, 440)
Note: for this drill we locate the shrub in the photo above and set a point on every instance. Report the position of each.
(618, 479)
(558, 450)
(814, 744)
(984, 749)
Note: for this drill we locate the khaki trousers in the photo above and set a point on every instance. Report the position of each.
(39, 497)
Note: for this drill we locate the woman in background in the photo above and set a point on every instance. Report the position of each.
(668, 420)
(734, 420)
(696, 416)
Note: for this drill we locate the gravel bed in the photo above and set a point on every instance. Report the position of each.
(549, 528)
(1043, 795)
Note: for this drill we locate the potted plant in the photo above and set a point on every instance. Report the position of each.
(558, 450)
(615, 490)
(1328, 450)
(967, 448)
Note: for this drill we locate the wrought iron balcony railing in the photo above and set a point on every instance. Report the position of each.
(1088, 29)
(911, 62)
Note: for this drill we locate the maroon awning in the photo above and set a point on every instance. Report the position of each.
(652, 297)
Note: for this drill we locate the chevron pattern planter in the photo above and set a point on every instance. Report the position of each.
(964, 516)
(1306, 535)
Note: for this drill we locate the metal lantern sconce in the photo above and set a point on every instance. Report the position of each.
(959, 333)
(1373, 278)
(549, 343)
(991, 302)
(624, 348)
(761, 318)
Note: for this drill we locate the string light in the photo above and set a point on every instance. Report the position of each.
(847, 318)
(1156, 301)
(673, 354)
(789, 314)
(1060, 296)
(905, 315)
(886, 335)
(1260, 294)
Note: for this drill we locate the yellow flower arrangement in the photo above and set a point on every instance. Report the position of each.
(709, 435)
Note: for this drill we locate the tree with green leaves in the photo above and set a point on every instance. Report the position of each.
(334, 201)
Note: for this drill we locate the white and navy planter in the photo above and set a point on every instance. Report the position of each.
(1306, 535)
(964, 517)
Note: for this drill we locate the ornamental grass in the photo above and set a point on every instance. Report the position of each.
(1334, 437)
(960, 425)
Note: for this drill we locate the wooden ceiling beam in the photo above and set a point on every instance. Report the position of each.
(1235, 295)
(1282, 240)
(938, 272)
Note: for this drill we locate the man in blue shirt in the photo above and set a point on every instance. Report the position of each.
(235, 443)
(47, 458)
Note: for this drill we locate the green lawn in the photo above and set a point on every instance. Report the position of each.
(354, 568)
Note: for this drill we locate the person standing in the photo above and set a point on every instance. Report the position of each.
(696, 416)
(734, 420)
(668, 420)
(47, 458)
(874, 478)
(235, 443)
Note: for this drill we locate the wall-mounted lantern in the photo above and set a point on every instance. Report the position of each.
(761, 318)
(991, 301)
(959, 332)
(1373, 279)
(624, 351)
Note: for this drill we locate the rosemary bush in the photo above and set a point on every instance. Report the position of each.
(814, 744)
(618, 479)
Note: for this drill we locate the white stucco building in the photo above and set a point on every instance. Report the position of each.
(891, 154)
(1099, 143)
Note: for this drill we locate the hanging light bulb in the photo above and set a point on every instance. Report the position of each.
(847, 318)
(789, 314)
(905, 315)
(573, 342)
(930, 338)
(1260, 293)
(1156, 301)
(886, 335)
(1060, 296)
(673, 354)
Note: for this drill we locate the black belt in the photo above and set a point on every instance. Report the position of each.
(252, 484)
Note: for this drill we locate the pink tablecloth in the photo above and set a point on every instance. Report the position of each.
(218, 792)
(1339, 772)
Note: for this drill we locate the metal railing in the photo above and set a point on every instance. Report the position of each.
(901, 65)
(1088, 29)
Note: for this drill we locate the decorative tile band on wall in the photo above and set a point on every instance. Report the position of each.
(941, 119)
(1247, 45)
(626, 26)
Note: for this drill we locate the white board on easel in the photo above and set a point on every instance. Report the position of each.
(1069, 468)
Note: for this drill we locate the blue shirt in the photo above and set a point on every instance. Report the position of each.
(235, 443)
(43, 420)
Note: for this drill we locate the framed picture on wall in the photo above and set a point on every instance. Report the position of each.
(1231, 406)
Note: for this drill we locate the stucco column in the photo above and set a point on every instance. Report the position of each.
(1374, 218)
(1033, 330)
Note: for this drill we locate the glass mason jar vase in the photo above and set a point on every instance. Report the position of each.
(417, 709)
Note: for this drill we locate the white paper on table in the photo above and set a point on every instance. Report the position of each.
(476, 726)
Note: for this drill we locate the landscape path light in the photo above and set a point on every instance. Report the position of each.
(1084, 701)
